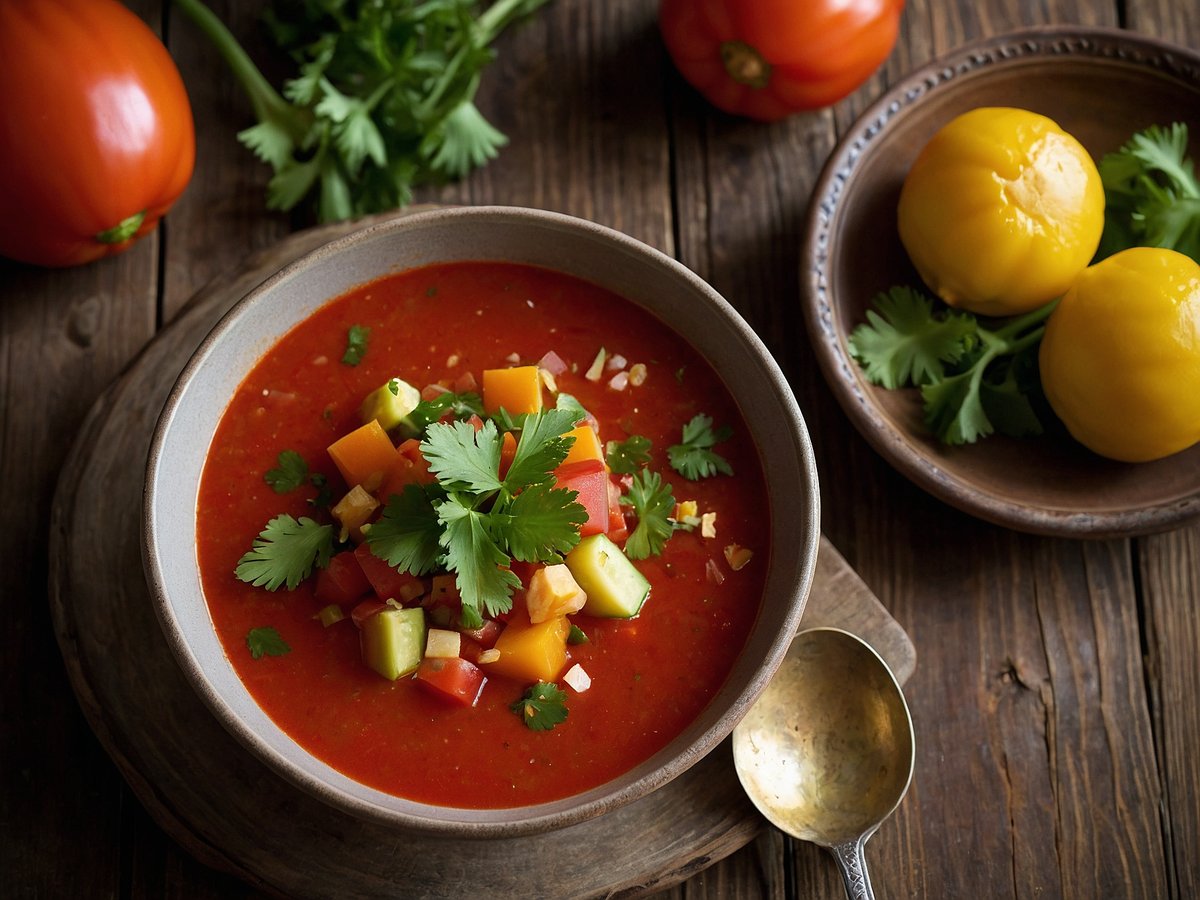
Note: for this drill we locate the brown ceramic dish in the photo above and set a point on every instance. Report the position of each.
(1100, 85)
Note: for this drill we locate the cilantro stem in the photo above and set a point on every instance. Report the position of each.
(268, 105)
(1019, 324)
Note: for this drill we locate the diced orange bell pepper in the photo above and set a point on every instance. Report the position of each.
(364, 456)
(518, 390)
(531, 652)
(586, 446)
(508, 451)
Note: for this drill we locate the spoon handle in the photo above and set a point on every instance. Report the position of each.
(853, 864)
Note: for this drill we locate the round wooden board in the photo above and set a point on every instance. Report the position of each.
(232, 812)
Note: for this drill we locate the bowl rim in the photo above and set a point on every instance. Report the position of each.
(1100, 43)
(378, 806)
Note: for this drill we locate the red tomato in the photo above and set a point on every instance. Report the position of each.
(452, 679)
(96, 139)
(342, 581)
(766, 59)
(588, 478)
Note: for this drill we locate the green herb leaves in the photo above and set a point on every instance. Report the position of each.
(356, 344)
(974, 380)
(693, 457)
(382, 102)
(627, 456)
(285, 553)
(1152, 196)
(291, 472)
(654, 502)
(474, 521)
(266, 641)
(543, 706)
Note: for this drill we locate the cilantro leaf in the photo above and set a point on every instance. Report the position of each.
(476, 559)
(407, 534)
(905, 342)
(1152, 195)
(463, 458)
(693, 458)
(285, 552)
(540, 448)
(266, 641)
(653, 500)
(570, 402)
(290, 472)
(324, 492)
(382, 99)
(356, 344)
(543, 706)
(427, 412)
(627, 456)
(539, 524)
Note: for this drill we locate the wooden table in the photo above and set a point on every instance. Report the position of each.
(1055, 697)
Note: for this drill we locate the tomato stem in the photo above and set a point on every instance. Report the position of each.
(123, 230)
(745, 65)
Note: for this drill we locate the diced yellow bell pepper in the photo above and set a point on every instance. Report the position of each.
(518, 390)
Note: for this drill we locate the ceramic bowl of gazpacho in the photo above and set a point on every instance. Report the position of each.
(481, 521)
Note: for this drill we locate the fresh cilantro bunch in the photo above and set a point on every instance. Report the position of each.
(473, 521)
(974, 379)
(1151, 194)
(383, 101)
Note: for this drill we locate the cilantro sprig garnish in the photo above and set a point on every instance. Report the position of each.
(427, 412)
(543, 706)
(474, 522)
(653, 500)
(290, 472)
(266, 641)
(383, 100)
(285, 553)
(357, 337)
(693, 457)
(974, 379)
(1151, 194)
(627, 456)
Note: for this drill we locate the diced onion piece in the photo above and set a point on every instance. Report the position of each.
(465, 383)
(578, 679)
(619, 381)
(596, 369)
(552, 363)
(330, 614)
(442, 644)
(353, 510)
(489, 656)
(452, 360)
(737, 556)
(714, 573)
(616, 361)
(513, 358)
(433, 391)
(637, 374)
(548, 380)
(708, 525)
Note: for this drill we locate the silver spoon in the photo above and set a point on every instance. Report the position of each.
(826, 753)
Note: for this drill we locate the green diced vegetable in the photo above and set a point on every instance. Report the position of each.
(390, 404)
(615, 588)
(393, 641)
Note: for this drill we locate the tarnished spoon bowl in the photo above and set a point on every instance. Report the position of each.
(826, 752)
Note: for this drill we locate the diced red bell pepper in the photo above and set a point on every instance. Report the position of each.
(452, 679)
(618, 529)
(365, 610)
(469, 649)
(508, 450)
(342, 581)
(591, 481)
(409, 467)
(387, 582)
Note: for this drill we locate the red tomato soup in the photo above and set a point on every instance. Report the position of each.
(651, 675)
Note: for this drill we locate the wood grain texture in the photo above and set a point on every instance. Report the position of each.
(1055, 698)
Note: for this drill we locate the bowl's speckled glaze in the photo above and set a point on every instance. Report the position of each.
(597, 254)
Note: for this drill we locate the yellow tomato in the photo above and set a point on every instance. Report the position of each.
(1001, 210)
(1120, 359)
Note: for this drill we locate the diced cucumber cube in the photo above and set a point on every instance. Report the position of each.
(393, 641)
(390, 403)
(615, 588)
